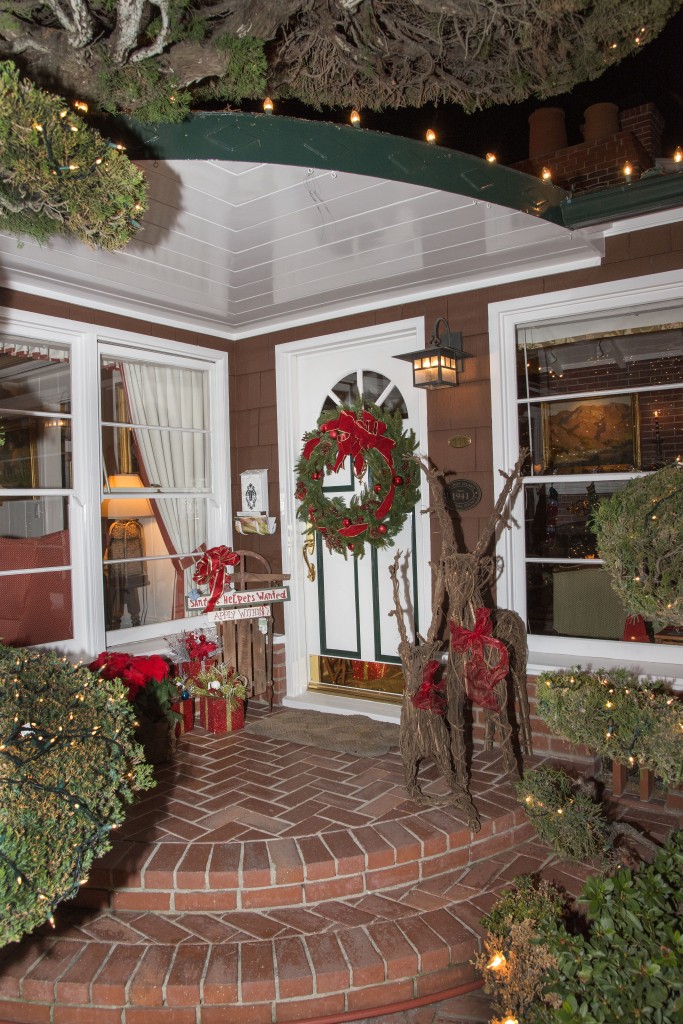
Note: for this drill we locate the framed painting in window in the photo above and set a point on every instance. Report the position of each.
(591, 435)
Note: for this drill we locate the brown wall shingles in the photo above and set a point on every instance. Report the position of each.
(465, 410)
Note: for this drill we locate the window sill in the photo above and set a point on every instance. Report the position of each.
(660, 661)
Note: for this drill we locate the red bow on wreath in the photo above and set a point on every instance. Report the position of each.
(431, 695)
(479, 677)
(211, 569)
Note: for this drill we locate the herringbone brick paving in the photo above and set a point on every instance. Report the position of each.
(266, 882)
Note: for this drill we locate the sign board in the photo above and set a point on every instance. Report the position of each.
(254, 611)
(239, 598)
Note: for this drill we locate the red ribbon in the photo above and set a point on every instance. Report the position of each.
(432, 695)
(211, 569)
(479, 677)
(354, 437)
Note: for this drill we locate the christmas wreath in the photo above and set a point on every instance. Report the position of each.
(377, 445)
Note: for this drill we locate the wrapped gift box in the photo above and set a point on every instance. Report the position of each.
(215, 715)
(186, 709)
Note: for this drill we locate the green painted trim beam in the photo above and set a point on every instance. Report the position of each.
(649, 194)
(265, 138)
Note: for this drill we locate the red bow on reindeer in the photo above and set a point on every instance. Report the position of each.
(211, 569)
(431, 695)
(480, 677)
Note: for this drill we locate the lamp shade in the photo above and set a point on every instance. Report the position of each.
(438, 364)
(126, 506)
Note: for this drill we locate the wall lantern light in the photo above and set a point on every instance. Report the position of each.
(438, 364)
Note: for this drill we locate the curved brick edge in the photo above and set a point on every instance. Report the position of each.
(291, 872)
(286, 979)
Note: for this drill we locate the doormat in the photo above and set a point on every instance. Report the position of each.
(349, 734)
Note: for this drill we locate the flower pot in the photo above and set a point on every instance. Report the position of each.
(158, 740)
(186, 709)
(216, 717)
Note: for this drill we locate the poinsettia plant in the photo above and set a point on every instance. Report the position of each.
(147, 679)
(221, 681)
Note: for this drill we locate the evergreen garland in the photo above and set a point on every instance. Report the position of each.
(390, 492)
(565, 818)
(640, 539)
(617, 716)
(60, 176)
(68, 765)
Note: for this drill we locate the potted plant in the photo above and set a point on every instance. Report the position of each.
(222, 693)
(152, 692)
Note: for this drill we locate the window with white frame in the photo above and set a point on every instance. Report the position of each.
(596, 394)
(113, 476)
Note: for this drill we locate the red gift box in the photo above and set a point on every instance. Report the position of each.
(215, 715)
(186, 709)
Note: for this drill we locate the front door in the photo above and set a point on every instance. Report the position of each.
(350, 641)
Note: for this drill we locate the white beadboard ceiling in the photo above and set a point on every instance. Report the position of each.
(237, 249)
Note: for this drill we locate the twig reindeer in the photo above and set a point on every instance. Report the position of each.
(423, 733)
(465, 578)
(460, 581)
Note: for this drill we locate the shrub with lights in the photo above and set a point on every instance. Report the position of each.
(514, 962)
(617, 958)
(565, 818)
(68, 766)
(60, 176)
(617, 716)
(639, 532)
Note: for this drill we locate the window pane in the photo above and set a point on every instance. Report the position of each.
(36, 452)
(34, 377)
(557, 518)
(149, 558)
(606, 363)
(164, 459)
(610, 434)
(168, 396)
(34, 533)
(577, 600)
(35, 608)
(346, 391)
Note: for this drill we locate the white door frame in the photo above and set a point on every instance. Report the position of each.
(408, 335)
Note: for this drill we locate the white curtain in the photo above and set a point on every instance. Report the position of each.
(177, 459)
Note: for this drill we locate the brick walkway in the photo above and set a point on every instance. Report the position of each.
(266, 882)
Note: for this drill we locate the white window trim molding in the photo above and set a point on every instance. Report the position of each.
(86, 342)
(411, 334)
(548, 653)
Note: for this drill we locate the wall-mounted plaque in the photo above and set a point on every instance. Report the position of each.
(462, 494)
(459, 441)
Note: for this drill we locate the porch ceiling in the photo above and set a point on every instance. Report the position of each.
(290, 233)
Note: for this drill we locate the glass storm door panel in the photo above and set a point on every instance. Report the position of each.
(347, 607)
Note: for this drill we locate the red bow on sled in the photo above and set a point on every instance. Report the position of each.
(211, 569)
(480, 677)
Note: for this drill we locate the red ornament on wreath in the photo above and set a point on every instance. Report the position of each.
(375, 442)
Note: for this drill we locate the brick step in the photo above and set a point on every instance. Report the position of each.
(266, 966)
(287, 872)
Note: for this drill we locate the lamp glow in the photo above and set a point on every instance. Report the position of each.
(546, 173)
(496, 963)
(491, 158)
(678, 155)
(354, 118)
(268, 105)
(430, 135)
(627, 170)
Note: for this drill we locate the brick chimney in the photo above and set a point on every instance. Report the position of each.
(634, 135)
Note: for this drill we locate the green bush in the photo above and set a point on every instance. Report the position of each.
(565, 818)
(68, 765)
(617, 716)
(639, 538)
(58, 175)
(628, 966)
(620, 964)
